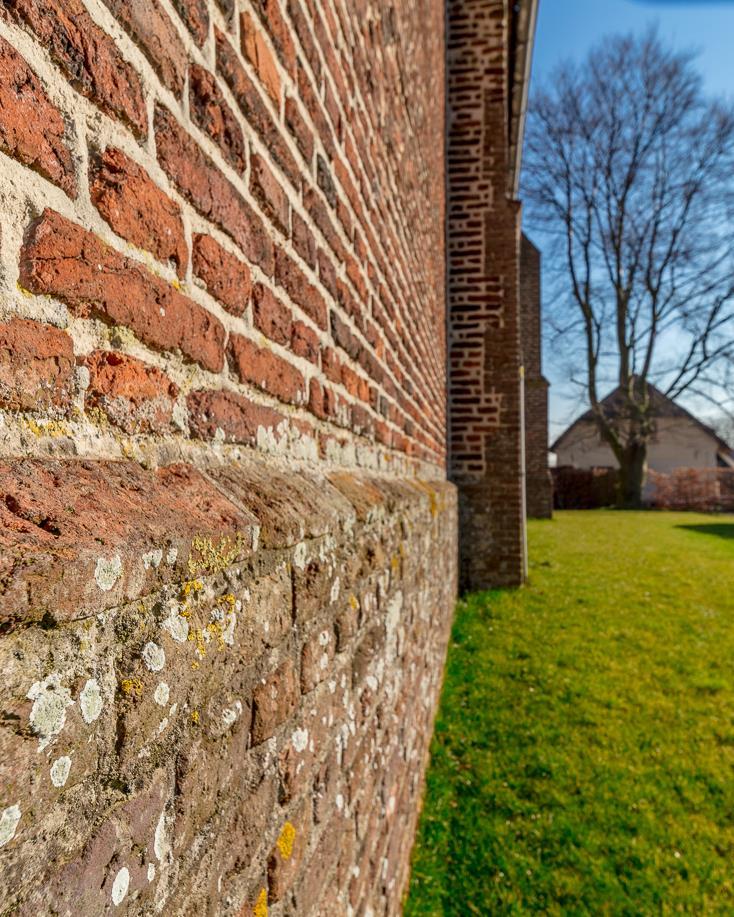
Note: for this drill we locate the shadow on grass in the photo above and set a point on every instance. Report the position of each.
(720, 529)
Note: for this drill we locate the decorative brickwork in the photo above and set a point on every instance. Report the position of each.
(539, 490)
(483, 265)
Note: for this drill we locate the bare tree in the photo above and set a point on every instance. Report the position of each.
(629, 175)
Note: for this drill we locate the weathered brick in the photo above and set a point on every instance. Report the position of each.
(305, 342)
(266, 369)
(150, 27)
(269, 194)
(210, 112)
(271, 316)
(238, 418)
(135, 396)
(87, 55)
(303, 293)
(209, 191)
(36, 366)
(31, 128)
(303, 240)
(274, 700)
(256, 50)
(279, 32)
(316, 656)
(195, 15)
(136, 208)
(226, 277)
(254, 109)
(62, 520)
(62, 259)
(302, 133)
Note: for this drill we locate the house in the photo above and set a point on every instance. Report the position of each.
(679, 440)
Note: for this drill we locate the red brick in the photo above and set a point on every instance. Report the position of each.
(319, 213)
(316, 112)
(136, 208)
(151, 28)
(305, 36)
(237, 417)
(266, 370)
(195, 15)
(322, 401)
(199, 180)
(135, 396)
(303, 240)
(274, 700)
(31, 127)
(305, 342)
(256, 50)
(271, 197)
(210, 112)
(271, 316)
(303, 293)
(36, 366)
(302, 133)
(279, 32)
(62, 259)
(227, 278)
(87, 55)
(254, 109)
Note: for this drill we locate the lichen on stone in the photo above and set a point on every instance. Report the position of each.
(285, 841)
(131, 687)
(261, 905)
(9, 824)
(48, 714)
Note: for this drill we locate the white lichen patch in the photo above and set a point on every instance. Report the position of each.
(161, 694)
(161, 844)
(8, 824)
(335, 590)
(230, 622)
(107, 572)
(153, 559)
(120, 885)
(60, 771)
(299, 556)
(299, 740)
(151, 871)
(153, 656)
(48, 713)
(230, 715)
(171, 556)
(176, 625)
(90, 701)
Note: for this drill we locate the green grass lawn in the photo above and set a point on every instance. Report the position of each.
(583, 759)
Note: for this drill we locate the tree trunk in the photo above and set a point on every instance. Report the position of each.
(632, 471)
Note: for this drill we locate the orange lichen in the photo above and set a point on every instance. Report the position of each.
(286, 840)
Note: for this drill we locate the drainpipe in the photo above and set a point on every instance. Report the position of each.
(523, 478)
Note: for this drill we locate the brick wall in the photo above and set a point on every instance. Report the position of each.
(483, 267)
(537, 474)
(226, 554)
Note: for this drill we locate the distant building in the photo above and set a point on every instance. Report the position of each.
(680, 440)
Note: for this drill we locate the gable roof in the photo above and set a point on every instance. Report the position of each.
(662, 406)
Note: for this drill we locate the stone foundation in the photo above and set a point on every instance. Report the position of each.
(219, 685)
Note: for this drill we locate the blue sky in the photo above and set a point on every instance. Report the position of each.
(569, 28)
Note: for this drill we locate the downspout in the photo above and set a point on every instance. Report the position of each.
(523, 478)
